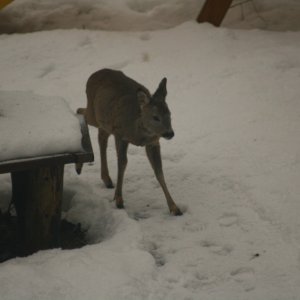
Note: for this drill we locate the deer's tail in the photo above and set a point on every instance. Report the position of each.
(78, 166)
(81, 111)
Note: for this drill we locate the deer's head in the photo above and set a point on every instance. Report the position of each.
(155, 114)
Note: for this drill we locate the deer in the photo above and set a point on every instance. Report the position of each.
(118, 105)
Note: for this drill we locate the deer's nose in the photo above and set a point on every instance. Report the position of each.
(168, 135)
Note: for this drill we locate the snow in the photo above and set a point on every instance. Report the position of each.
(31, 125)
(141, 15)
(233, 165)
(275, 15)
(28, 15)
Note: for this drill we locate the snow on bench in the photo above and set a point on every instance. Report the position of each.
(33, 125)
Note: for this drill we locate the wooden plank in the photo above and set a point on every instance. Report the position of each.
(37, 195)
(35, 162)
(214, 11)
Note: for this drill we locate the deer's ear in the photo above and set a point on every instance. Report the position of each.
(162, 89)
(143, 98)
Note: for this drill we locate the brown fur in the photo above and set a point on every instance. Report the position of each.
(118, 105)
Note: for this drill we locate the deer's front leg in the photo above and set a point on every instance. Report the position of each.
(121, 147)
(153, 153)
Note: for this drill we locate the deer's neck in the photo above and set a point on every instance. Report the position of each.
(142, 135)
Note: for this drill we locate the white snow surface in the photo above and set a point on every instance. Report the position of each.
(233, 166)
(137, 15)
(34, 125)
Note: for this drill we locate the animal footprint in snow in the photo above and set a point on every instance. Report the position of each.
(192, 226)
(175, 157)
(244, 276)
(198, 281)
(156, 253)
(217, 249)
(47, 70)
(228, 219)
(141, 215)
(145, 36)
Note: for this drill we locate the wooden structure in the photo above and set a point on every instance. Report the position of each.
(214, 11)
(37, 190)
(3, 3)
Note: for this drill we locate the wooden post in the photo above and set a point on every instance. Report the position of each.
(214, 11)
(4, 3)
(37, 195)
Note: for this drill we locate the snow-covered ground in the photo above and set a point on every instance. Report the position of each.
(140, 15)
(233, 166)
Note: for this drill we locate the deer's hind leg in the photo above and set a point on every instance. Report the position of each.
(121, 147)
(103, 139)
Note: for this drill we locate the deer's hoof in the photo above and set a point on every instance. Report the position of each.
(119, 202)
(120, 205)
(176, 212)
(108, 183)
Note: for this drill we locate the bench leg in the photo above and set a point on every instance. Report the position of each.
(37, 195)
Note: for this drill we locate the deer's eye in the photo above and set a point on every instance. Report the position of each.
(156, 118)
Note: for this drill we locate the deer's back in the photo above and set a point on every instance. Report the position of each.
(112, 97)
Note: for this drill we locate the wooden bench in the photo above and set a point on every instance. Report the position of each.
(37, 192)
